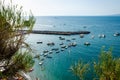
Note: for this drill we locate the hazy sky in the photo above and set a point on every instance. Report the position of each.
(70, 7)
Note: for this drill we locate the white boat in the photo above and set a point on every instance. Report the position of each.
(103, 35)
(74, 44)
(63, 46)
(45, 54)
(61, 38)
(61, 43)
(87, 43)
(41, 63)
(81, 35)
(46, 51)
(62, 49)
(50, 52)
(116, 34)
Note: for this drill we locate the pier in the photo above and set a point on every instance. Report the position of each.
(56, 32)
(60, 32)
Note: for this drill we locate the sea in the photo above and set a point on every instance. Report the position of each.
(57, 65)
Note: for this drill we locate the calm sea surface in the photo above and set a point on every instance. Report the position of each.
(57, 67)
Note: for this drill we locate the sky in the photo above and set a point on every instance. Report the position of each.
(70, 7)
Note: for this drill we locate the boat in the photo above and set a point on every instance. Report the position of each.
(74, 44)
(61, 43)
(45, 54)
(61, 38)
(62, 49)
(42, 59)
(50, 52)
(46, 51)
(51, 44)
(116, 34)
(39, 42)
(55, 49)
(66, 47)
(63, 46)
(87, 43)
(41, 63)
(81, 35)
(48, 57)
(68, 40)
(103, 35)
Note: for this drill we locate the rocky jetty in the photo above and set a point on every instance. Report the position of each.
(60, 32)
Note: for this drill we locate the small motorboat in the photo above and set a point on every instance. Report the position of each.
(68, 40)
(48, 57)
(81, 35)
(74, 44)
(50, 52)
(87, 43)
(46, 51)
(41, 63)
(57, 51)
(116, 34)
(63, 46)
(39, 42)
(62, 49)
(61, 43)
(51, 44)
(103, 35)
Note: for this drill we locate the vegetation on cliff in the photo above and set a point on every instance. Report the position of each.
(15, 54)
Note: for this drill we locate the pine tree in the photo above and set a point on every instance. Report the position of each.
(15, 54)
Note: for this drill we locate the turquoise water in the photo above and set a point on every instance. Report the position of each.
(57, 67)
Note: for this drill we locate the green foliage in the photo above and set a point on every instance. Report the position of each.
(107, 67)
(13, 57)
(80, 69)
(19, 62)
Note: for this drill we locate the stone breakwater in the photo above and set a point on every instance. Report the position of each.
(57, 32)
(60, 32)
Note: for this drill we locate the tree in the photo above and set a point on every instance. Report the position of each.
(15, 54)
(106, 68)
(80, 69)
